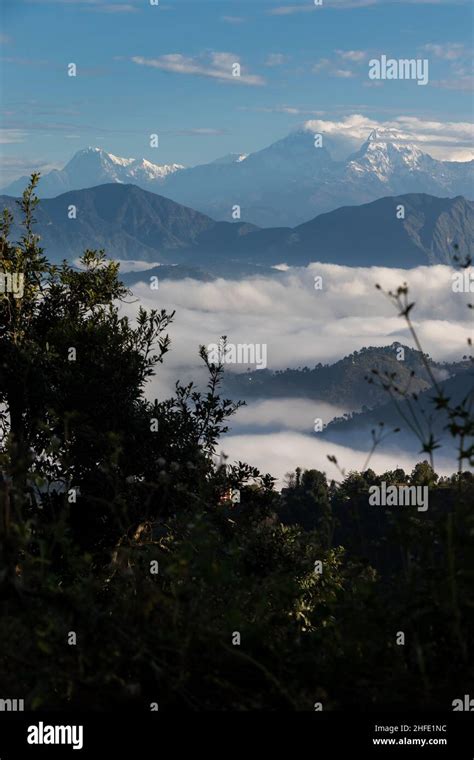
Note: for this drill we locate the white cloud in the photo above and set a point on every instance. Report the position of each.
(127, 265)
(447, 51)
(279, 453)
(352, 55)
(338, 65)
(216, 65)
(442, 140)
(303, 327)
(284, 413)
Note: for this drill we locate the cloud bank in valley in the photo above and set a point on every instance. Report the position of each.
(280, 453)
(302, 327)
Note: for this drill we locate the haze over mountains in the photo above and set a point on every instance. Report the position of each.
(133, 224)
(284, 184)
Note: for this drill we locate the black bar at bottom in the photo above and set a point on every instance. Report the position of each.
(149, 735)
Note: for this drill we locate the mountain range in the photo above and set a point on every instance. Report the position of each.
(134, 224)
(94, 166)
(129, 223)
(284, 184)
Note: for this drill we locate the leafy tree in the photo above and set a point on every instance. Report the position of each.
(158, 572)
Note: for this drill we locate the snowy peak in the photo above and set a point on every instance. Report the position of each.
(93, 166)
(117, 169)
(141, 168)
(385, 154)
(283, 184)
(385, 134)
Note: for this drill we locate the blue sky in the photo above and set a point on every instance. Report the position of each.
(166, 69)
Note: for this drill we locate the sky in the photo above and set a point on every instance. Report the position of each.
(166, 69)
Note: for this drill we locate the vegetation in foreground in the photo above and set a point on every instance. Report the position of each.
(128, 575)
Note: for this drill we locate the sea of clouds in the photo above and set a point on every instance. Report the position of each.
(303, 326)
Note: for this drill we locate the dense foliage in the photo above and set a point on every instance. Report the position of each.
(118, 525)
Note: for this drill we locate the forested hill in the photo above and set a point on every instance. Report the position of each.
(391, 414)
(346, 381)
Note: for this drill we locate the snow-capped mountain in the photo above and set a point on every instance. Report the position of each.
(285, 184)
(293, 180)
(384, 155)
(386, 158)
(93, 166)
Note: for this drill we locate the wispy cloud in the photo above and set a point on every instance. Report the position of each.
(462, 80)
(215, 65)
(11, 167)
(447, 51)
(460, 74)
(344, 63)
(275, 59)
(198, 131)
(352, 55)
(289, 10)
(292, 110)
(9, 135)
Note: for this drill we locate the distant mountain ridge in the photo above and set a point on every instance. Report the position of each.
(129, 223)
(374, 234)
(284, 184)
(133, 224)
(93, 166)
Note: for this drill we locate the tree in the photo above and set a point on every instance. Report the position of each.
(423, 474)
